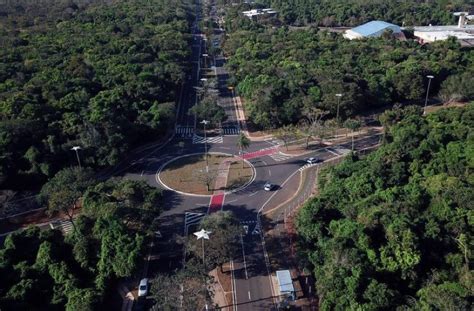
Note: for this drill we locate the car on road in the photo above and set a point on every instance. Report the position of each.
(313, 160)
(143, 288)
(268, 186)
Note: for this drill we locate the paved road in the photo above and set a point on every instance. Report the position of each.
(253, 290)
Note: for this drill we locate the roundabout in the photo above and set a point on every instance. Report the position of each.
(194, 175)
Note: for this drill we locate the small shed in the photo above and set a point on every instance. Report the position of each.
(285, 283)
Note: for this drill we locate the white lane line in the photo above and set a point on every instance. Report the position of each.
(243, 254)
(234, 288)
(269, 173)
(142, 173)
(264, 163)
(232, 201)
(250, 298)
(253, 193)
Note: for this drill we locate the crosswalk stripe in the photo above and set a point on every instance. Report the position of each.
(184, 130)
(280, 157)
(202, 140)
(306, 166)
(230, 130)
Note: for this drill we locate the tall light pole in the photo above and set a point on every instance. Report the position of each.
(205, 59)
(338, 95)
(427, 92)
(76, 149)
(205, 122)
(203, 235)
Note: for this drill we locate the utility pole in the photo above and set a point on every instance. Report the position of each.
(203, 235)
(76, 149)
(205, 122)
(427, 92)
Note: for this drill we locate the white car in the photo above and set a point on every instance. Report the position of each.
(313, 160)
(143, 288)
(268, 187)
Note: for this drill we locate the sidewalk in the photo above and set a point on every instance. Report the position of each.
(127, 297)
(217, 199)
(239, 110)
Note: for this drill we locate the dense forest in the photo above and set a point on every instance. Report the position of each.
(355, 12)
(99, 74)
(279, 72)
(394, 230)
(45, 270)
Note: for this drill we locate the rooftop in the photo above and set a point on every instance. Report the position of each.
(284, 281)
(443, 28)
(372, 27)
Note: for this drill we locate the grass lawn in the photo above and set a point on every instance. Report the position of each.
(188, 174)
(238, 176)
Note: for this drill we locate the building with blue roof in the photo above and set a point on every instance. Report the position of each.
(371, 29)
(285, 284)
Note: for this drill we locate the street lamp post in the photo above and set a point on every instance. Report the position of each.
(203, 235)
(205, 122)
(427, 92)
(205, 59)
(76, 149)
(338, 95)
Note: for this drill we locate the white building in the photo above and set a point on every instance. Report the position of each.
(256, 12)
(462, 32)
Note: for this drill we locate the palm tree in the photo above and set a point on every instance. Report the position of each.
(243, 143)
(353, 125)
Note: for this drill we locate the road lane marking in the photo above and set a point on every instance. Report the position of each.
(234, 287)
(142, 173)
(250, 298)
(253, 193)
(243, 254)
(269, 173)
(232, 201)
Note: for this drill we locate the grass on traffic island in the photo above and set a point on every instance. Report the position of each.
(188, 174)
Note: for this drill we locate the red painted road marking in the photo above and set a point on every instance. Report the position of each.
(217, 200)
(260, 153)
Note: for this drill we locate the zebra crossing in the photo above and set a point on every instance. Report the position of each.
(184, 130)
(246, 225)
(64, 225)
(274, 141)
(338, 150)
(278, 157)
(192, 219)
(230, 130)
(306, 166)
(209, 140)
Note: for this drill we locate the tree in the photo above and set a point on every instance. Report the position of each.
(353, 125)
(206, 177)
(187, 289)
(287, 134)
(82, 300)
(64, 190)
(208, 109)
(243, 143)
(402, 210)
(223, 242)
(135, 202)
(312, 124)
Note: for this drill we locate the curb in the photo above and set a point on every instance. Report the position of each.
(158, 179)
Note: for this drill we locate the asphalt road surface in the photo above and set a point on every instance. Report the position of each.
(253, 290)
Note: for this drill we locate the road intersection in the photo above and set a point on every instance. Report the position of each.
(252, 286)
